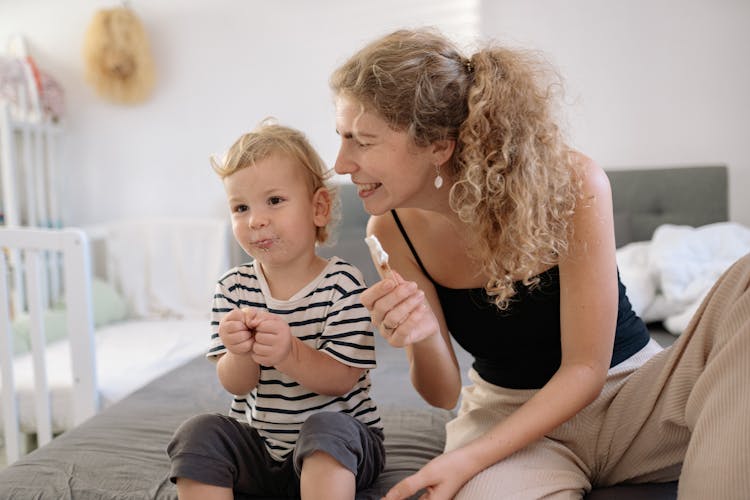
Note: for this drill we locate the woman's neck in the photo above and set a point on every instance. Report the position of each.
(439, 204)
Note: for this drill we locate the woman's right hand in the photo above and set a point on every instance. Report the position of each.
(400, 311)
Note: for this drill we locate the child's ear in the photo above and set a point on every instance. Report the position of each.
(321, 207)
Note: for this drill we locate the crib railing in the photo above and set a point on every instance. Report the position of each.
(33, 248)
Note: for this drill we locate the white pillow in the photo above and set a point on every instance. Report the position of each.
(635, 274)
(108, 307)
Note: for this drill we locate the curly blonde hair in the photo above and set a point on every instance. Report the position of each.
(516, 179)
(270, 138)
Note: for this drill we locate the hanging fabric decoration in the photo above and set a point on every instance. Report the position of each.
(117, 56)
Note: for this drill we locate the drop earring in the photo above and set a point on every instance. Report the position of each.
(438, 178)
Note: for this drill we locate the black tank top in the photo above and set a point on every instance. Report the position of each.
(519, 348)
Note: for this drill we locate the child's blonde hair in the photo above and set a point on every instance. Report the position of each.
(269, 138)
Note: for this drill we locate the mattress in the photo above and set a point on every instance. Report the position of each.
(129, 355)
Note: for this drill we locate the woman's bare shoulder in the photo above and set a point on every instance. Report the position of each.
(593, 178)
(592, 223)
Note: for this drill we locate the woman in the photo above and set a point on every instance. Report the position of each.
(503, 237)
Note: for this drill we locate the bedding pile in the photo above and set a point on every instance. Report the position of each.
(668, 277)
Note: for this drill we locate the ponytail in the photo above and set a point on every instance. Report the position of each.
(515, 187)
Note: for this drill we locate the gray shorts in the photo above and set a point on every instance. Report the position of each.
(223, 451)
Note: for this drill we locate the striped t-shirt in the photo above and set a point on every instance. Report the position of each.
(327, 315)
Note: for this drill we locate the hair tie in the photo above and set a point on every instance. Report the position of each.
(469, 66)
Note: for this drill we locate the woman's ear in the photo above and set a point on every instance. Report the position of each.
(322, 203)
(442, 150)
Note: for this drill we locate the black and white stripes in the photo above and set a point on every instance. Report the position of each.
(327, 315)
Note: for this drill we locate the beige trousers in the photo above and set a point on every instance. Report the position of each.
(682, 412)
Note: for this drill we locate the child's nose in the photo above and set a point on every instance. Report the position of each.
(258, 220)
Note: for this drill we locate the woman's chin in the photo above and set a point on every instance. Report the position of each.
(374, 208)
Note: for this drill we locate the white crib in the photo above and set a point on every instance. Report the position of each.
(30, 129)
(33, 248)
(164, 271)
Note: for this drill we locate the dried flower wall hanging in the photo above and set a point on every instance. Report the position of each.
(117, 56)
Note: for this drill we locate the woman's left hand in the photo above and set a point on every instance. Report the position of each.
(441, 478)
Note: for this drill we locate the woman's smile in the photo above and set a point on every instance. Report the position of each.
(365, 190)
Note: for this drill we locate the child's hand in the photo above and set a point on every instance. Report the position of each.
(273, 339)
(235, 331)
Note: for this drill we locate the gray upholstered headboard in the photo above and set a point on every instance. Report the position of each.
(644, 199)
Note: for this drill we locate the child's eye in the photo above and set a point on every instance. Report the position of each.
(275, 200)
(239, 208)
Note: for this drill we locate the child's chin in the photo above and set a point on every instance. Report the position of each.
(255, 254)
(267, 257)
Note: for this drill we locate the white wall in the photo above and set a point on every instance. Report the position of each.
(650, 83)
(222, 66)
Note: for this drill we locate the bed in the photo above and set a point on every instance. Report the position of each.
(116, 266)
(120, 452)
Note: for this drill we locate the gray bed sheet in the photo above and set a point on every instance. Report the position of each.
(120, 453)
